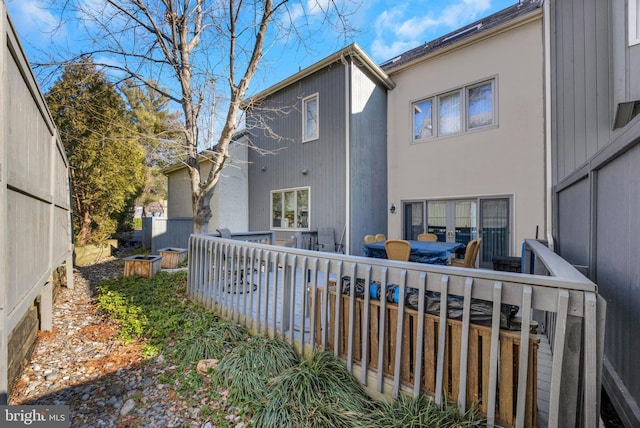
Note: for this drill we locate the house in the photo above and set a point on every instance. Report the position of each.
(466, 141)
(321, 151)
(595, 70)
(229, 201)
(35, 210)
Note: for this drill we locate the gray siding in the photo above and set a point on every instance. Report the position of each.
(573, 223)
(617, 267)
(581, 76)
(288, 156)
(368, 160)
(597, 175)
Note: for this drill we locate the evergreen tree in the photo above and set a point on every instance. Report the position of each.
(159, 133)
(107, 162)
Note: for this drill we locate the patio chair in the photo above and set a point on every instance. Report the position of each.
(470, 255)
(397, 249)
(428, 237)
(224, 233)
(380, 237)
(369, 239)
(327, 241)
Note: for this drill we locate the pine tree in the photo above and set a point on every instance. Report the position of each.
(106, 160)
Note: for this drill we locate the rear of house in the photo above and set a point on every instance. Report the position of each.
(466, 147)
(321, 151)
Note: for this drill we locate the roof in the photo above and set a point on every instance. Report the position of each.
(483, 26)
(353, 50)
(204, 155)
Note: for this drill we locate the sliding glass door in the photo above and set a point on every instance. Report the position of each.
(462, 221)
(495, 230)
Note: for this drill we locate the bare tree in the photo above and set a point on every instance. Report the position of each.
(204, 54)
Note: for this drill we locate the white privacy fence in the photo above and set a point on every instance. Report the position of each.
(419, 328)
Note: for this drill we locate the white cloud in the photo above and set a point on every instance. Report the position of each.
(33, 19)
(402, 27)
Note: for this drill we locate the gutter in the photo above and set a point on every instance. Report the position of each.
(347, 156)
(548, 191)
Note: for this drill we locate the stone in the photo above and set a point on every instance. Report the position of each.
(127, 407)
(204, 365)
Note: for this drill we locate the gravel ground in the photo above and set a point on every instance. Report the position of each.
(80, 363)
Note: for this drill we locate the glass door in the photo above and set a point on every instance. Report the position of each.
(453, 221)
(437, 220)
(413, 220)
(465, 221)
(494, 229)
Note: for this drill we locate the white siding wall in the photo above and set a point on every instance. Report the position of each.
(229, 201)
(507, 160)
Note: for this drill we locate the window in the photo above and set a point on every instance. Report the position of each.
(449, 113)
(462, 110)
(634, 22)
(310, 128)
(290, 209)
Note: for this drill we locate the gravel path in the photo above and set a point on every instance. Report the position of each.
(81, 364)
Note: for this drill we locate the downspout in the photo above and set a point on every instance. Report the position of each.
(546, 15)
(347, 156)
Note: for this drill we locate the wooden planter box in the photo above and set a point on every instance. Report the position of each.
(172, 257)
(477, 369)
(144, 266)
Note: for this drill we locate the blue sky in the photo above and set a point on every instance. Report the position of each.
(385, 29)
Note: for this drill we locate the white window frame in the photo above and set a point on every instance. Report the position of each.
(634, 22)
(282, 208)
(305, 102)
(464, 113)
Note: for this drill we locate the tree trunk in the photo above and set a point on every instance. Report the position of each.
(85, 229)
(202, 210)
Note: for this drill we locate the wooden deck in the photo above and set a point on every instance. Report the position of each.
(266, 288)
(265, 298)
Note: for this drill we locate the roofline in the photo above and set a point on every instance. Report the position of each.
(518, 21)
(202, 157)
(352, 50)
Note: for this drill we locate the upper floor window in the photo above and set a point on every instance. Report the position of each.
(461, 110)
(290, 209)
(634, 22)
(310, 120)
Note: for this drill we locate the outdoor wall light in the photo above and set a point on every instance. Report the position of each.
(392, 210)
(263, 169)
(305, 171)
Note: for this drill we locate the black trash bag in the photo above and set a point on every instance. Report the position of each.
(392, 293)
(374, 287)
(481, 310)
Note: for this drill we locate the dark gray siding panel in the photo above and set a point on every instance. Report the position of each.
(618, 270)
(573, 223)
(594, 69)
(368, 160)
(581, 73)
(287, 156)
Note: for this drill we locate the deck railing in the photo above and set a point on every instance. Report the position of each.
(402, 344)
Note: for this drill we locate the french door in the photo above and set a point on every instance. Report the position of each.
(461, 221)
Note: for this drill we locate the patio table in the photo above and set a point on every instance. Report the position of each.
(421, 251)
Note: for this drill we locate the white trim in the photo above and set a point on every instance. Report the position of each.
(548, 188)
(305, 101)
(634, 22)
(347, 156)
